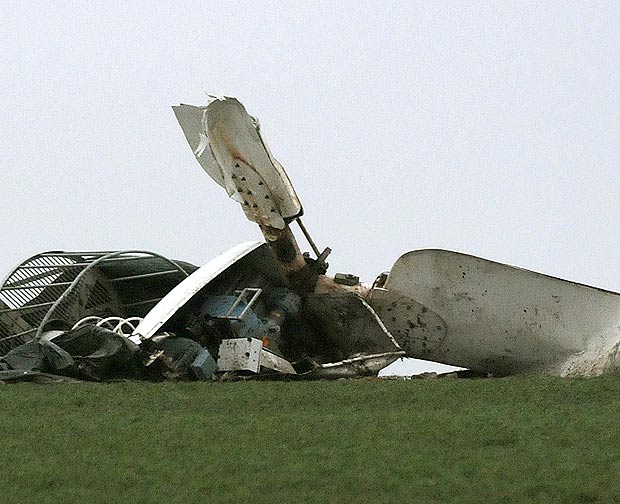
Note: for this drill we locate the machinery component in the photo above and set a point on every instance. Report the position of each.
(240, 354)
(439, 305)
(248, 354)
(228, 144)
(240, 319)
(185, 291)
(242, 303)
(261, 307)
(56, 289)
(204, 366)
(346, 279)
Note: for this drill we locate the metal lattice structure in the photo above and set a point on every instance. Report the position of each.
(56, 289)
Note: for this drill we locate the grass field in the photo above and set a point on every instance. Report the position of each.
(494, 440)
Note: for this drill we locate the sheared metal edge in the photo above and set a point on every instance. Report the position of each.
(364, 365)
(192, 122)
(594, 361)
(360, 365)
(184, 291)
(362, 358)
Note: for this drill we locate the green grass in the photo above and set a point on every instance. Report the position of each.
(497, 440)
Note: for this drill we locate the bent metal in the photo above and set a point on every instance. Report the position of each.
(269, 309)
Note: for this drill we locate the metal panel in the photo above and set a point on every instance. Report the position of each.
(269, 360)
(364, 365)
(240, 354)
(504, 320)
(347, 326)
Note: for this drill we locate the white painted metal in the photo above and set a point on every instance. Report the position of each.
(191, 120)
(227, 143)
(240, 354)
(184, 291)
(269, 360)
(505, 320)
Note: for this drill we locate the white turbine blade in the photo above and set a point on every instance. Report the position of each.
(497, 318)
(191, 119)
(227, 143)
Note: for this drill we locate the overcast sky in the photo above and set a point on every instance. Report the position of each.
(487, 128)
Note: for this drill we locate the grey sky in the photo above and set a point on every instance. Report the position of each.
(487, 128)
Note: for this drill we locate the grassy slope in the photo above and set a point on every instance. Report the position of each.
(502, 440)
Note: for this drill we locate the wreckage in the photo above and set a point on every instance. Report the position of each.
(269, 309)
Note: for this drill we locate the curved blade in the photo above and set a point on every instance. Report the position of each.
(418, 330)
(499, 318)
(227, 143)
(183, 292)
(191, 119)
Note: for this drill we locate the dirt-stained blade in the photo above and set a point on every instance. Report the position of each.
(467, 311)
(228, 144)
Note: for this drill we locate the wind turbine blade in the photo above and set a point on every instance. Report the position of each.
(227, 143)
(499, 318)
(191, 119)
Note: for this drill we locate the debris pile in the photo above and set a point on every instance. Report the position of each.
(235, 315)
(269, 309)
